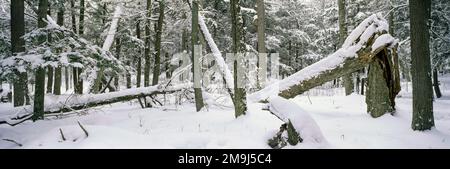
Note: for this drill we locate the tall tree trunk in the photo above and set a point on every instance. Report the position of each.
(118, 50)
(196, 53)
(80, 32)
(50, 79)
(58, 70)
(159, 29)
(139, 57)
(240, 101)
(147, 45)
(39, 91)
(81, 20)
(420, 11)
(262, 59)
(18, 45)
(66, 78)
(74, 29)
(437, 90)
(50, 70)
(347, 79)
(74, 19)
(167, 66)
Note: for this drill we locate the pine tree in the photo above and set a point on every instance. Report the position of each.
(420, 11)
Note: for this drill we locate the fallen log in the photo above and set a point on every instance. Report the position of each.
(68, 103)
(93, 100)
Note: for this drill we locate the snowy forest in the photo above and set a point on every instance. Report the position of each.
(224, 74)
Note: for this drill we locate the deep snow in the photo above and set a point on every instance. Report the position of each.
(343, 121)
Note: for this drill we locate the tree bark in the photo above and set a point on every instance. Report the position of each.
(80, 32)
(437, 90)
(423, 119)
(159, 29)
(196, 53)
(240, 98)
(139, 57)
(378, 91)
(74, 19)
(39, 92)
(50, 72)
(58, 70)
(118, 50)
(347, 79)
(147, 45)
(18, 45)
(262, 59)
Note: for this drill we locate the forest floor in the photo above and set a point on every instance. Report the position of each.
(343, 121)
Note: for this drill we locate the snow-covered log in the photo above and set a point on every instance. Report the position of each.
(67, 103)
(300, 126)
(360, 48)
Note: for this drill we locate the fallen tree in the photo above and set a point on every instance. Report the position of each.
(359, 50)
(369, 45)
(67, 103)
(298, 127)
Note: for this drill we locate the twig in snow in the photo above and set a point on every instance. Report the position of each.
(13, 141)
(84, 130)
(62, 134)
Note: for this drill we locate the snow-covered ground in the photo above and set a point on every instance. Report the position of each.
(343, 121)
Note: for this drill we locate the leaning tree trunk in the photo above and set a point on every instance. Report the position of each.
(423, 118)
(18, 45)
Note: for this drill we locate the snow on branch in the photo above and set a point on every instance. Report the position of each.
(365, 41)
(67, 103)
(226, 73)
(303, 123)
(65, 48)
(113, 29)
